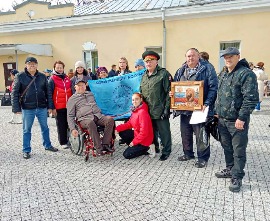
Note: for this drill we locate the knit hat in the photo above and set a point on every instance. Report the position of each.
(14, 72)
(79, 64)
(139, 62)
(102, 69)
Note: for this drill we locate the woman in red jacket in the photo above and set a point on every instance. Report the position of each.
(60, 86)
(141, 137)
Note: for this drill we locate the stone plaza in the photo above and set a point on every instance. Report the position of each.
(61, 186)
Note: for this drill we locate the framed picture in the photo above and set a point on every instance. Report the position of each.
(187, 95)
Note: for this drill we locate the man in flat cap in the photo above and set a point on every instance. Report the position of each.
(30, 95)
(236, 99)
(155, 87)
(82, 106)
(196, 69)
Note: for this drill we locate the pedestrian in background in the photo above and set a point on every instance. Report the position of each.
(139, 64)
(236, 99)
(123, 67)
(261, 77)
(28, 83)
(112, 72)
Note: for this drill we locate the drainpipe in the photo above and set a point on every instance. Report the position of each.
(16, 54)
(164, 38)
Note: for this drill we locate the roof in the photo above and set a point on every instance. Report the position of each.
(118, 6)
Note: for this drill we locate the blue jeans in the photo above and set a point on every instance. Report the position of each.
(258, 106)
(28, 117)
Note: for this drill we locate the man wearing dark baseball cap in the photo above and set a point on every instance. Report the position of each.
(236, 99)
(30, 96)
(155, 87)
(230, 51)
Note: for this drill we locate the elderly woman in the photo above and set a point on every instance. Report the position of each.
(123, 66)
(102, 72)
(80, 73)
(261, 77)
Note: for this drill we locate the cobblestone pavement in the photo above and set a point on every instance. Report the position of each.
(61, 186)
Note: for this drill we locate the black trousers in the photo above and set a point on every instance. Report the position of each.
(134, 151)
(62, 126)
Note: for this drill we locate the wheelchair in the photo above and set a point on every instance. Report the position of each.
(83, 144)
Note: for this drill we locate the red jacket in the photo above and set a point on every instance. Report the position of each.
(141, 122)
(62, 91)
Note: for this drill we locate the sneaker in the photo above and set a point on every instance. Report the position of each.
(201, 163)
(11, 122)
(235, 185)
(26, 155)
(108, 148)
(152, 151)
(226, 173)
(53, 149)
(185, 158)
(257, 110)
(65, 146)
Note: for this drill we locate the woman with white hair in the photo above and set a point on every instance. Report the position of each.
(261, 77)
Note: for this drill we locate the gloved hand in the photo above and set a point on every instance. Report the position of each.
(165, 115)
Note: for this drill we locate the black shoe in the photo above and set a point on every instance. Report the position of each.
(225, 173)
(53, 149)
(164, 157)
(26, 155)
(185, 158)
(108, 148)
(157, 149)
(121, 142)
(200, 164)
(235, 185)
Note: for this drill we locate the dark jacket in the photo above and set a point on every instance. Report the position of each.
(237, 93)
(112, 73)
(155, 90)
(207, 74)
(125, 72)
(141, 122)
(37, 96)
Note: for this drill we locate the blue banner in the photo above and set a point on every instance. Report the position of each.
(113, 95)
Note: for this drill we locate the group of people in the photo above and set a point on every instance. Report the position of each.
(231, 99)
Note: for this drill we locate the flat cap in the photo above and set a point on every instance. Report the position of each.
(79, 80)
(230, 51)
(150, 55)
(31, 59)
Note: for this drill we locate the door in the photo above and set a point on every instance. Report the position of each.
(7, 68)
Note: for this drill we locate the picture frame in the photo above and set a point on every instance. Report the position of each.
(187, 95)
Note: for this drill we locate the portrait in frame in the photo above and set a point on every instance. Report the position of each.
(187, 95)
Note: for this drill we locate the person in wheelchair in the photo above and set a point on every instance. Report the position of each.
(139, 139)
(82, 107)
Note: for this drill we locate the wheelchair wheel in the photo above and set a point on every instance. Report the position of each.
(77, 144)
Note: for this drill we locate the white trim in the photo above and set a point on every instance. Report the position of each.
(112, 19)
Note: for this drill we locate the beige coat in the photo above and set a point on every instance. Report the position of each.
(82, 106)
(261, 77)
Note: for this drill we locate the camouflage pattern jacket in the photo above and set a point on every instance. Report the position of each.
(237, 93)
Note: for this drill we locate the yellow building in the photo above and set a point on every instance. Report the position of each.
(102, 32)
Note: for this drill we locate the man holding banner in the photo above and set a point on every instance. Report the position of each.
(155, 87)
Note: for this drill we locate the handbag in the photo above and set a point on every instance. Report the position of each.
(212, 127)
(25, 90)
(6, 100)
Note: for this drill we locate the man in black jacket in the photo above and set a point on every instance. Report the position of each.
(32, 102)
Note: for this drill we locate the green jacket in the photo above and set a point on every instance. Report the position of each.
(237, 93)
(155, 91)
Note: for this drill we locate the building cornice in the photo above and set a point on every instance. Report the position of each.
(136, 17)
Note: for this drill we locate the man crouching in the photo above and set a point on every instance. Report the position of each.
(83, 107)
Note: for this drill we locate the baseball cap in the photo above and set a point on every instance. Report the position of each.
(230, 51)
(79, 80)
(31, 59)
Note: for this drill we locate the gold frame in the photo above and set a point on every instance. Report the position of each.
(192, 101)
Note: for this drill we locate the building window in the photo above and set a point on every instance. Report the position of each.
(90, 59)
(158, 50)
(222, 47)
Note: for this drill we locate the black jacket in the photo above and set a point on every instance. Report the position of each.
(37, 96)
